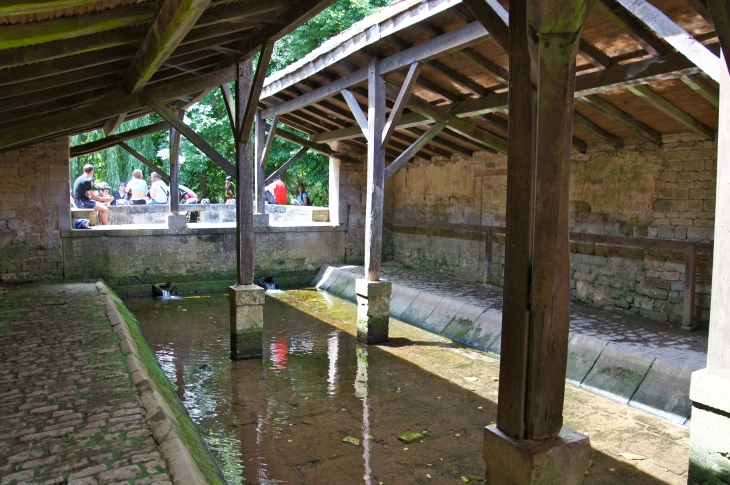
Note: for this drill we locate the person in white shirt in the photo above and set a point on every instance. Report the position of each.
(159, 192)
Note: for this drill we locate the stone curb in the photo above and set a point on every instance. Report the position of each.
(656, 386)
(165, 430)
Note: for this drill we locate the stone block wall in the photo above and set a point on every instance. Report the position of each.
(35, 201)
(641, 190)
(132, 260)
(352, 200)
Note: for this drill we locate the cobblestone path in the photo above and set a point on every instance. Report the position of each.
(69, 412)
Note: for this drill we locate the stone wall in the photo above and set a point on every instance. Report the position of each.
(199, 259)
(35, 204)
(352, 199)
(640, 191)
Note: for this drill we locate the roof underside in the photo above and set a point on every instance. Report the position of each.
(619, 55)
(66, 55)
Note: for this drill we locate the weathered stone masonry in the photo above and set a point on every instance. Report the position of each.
(35, 188)
(642, 190)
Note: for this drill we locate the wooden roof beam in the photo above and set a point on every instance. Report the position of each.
(629, 24)
(488, 66)
(458, 78)
(703, 88)
(675, 35)
(104, 143)
(493, 16)
(594, 55)
(62, 48)
(623, 118)
(31, 7)
(30, 33)
(720, 11)
(671, 110)
(596, 131)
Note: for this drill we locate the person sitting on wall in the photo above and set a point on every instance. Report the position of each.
(137, 188)
(275, 192)
(230, 191)
(302, 196)
(85, 198)
(159, 192)
(187, 196)
(102, 190)
(120, 196)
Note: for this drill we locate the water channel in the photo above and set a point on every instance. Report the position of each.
(320, 408)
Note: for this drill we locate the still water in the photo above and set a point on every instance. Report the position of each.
(319, 408)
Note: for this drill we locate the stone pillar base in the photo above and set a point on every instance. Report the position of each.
(709, 436)
(247, 320)
(176, 221)
(260, 219)
(373, 310)
(562, 460)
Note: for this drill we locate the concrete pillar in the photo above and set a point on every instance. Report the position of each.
(710, 388)
(247, 320)
(373, 310)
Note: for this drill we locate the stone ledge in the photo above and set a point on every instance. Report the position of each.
(165, 428)
(162, 230)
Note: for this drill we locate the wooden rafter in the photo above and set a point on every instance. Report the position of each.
(30, 7)
(26, 34)
(493, 17)
(596, 131)
(675, 35)
(629, 24)
(623, 118)
(720, 11)
(104, 143)
(703, 88)
(671, 110)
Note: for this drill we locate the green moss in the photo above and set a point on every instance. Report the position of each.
(190, 434)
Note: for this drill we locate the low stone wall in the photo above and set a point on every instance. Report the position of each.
(211, 213)
(641, 191)
(196, 259)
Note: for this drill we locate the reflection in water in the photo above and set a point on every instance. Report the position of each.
(282, 419)
(361, 391)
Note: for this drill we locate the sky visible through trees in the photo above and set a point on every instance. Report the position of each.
(210, 120)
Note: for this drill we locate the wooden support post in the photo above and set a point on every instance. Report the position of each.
(488, 257)
(246, 300)
(375, 171)
(174, 171)
(257, 83)
(260, 162)
(690, 277)
(373, 295)
(244, 187)
(544, 40)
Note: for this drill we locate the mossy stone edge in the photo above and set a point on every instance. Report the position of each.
(188, 459)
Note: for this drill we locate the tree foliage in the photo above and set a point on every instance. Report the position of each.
(209, 119)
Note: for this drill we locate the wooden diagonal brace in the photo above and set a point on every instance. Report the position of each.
(110, 141)
(230, 105)
(269, 141)
(400, 101)
(195, 139)
(360, 117)
(144, 161)
(287, 164)
(412, 150)
(244, 125)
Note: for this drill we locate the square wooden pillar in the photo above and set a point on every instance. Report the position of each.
(543, 43)
(374, 302)
(246, 299)
(174, 219)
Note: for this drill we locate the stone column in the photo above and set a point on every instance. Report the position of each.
(334, 188)
(246, 299)
(529, 444)
(373, 295)
(710, 387)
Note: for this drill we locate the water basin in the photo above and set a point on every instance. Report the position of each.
(283, 418)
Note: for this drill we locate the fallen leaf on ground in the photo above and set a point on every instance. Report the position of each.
(350, 439)
(409, 436)
(471, 379)
(369, 437)
(464, 479)
(631, 456)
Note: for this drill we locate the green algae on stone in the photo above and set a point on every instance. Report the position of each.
(409, 436)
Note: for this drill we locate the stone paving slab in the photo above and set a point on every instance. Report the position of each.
(69, 412)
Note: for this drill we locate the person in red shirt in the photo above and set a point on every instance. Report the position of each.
(276, 192)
